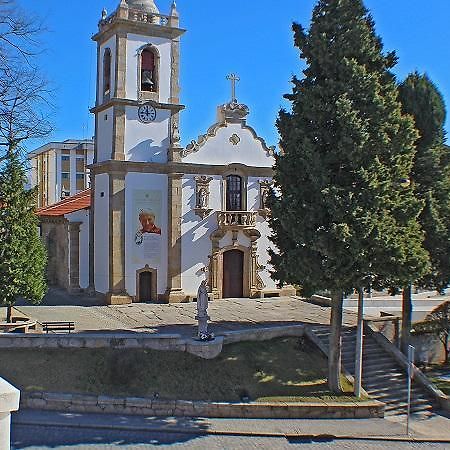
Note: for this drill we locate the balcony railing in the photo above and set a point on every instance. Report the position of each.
(141, 16)
(236, 218)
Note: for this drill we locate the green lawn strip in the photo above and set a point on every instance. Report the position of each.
(444, 386)
(276, 370)
(434, 374)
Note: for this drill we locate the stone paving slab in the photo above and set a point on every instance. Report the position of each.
(226, 315)
(312, 427)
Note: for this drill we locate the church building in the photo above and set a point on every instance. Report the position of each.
(160, 218)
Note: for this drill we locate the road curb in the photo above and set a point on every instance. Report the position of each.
(200, 432)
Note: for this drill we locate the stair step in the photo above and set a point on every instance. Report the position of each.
(383, 378)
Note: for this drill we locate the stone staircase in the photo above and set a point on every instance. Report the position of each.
(383, 378)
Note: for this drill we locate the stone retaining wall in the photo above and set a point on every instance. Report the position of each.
(165, 342)
(182, 408)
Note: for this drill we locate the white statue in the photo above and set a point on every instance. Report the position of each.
(202, 198)
(202, 313)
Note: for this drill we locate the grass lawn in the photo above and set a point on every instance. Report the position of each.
(278, 370)
(444, 386)
(440, 370)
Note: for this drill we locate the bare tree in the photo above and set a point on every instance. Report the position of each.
(24, 93)
(24, 112)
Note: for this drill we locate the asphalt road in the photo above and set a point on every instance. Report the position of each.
(48, 437)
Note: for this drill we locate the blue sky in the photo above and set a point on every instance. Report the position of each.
(252, 38)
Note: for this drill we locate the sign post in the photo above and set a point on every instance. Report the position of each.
(411, 350)
(359, 345)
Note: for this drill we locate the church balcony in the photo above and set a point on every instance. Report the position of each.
(233, 219)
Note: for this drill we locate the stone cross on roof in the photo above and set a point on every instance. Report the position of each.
(233, 78)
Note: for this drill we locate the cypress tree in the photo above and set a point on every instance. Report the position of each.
(431, 180)
(341, 218)
(22, 254)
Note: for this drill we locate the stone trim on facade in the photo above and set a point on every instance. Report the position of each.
(74, 256)
(174, 292)
(196, 145)
(117, 293)
(144, 29)
(135, 103)
(177, 167)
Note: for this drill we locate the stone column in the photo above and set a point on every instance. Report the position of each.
(214, 276)
(9, 402)
(74, 256)
(174, 292)
(91, 287)
(118, 148)
(117, 294)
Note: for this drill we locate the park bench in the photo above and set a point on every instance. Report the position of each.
(58, 327)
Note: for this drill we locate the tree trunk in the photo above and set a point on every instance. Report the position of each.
(9, 314)
(406, 318)
(334, 351)
(446, 349)
(359, 345)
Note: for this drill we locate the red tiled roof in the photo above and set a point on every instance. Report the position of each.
(79, 201)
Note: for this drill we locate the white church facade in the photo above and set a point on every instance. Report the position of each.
(159, 218)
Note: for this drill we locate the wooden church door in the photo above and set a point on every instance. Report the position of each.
(145, 287)
(233, 274)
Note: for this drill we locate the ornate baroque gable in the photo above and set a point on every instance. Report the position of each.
(229, 116)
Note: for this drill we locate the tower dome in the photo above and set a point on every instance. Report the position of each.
(147, 6)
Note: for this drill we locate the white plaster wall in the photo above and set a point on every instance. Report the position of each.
(263, 245)
(219, 150)
(101, 233)
(135, 42)
(104, 135)
(83, 217)
(73, 171)
(143, 181)
(58, 175)
(195, 232)
(111, 44)
(52, 194)
(147, 142)
(254, 202)
(90, 157)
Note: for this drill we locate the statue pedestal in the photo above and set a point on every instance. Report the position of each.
(9, 401)
(202, 332)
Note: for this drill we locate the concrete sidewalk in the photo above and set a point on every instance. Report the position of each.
(339, 429)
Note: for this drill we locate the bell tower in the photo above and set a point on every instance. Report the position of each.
(136, 129)
(137, 105)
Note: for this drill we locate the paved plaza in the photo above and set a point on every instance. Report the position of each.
(226, 315)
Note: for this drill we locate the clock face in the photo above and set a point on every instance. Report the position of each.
(146, 113)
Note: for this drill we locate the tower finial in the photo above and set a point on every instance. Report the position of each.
(173, 9)
(104, 13)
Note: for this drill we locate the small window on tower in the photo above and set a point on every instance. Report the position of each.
(148, 70)
(107, 74)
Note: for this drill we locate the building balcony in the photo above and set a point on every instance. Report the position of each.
(233, 219)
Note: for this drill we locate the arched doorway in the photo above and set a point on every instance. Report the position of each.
(233, 274)
(146, 280)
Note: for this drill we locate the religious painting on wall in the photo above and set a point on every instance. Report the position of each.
(147, 226)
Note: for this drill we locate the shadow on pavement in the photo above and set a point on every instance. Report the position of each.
(60, 429)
